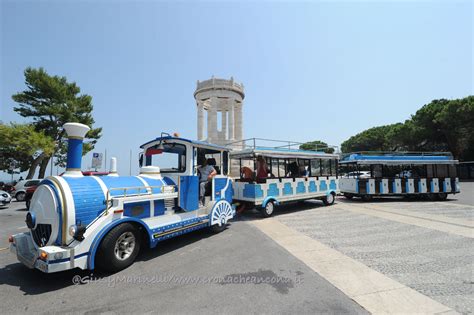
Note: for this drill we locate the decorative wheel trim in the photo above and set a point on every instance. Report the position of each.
(330, 198)
(124, 246)
(269, 208)
(221, 213)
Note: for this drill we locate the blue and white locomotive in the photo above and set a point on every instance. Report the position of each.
(85, 222)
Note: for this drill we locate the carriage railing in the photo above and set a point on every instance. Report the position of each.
(147, 190)
(256, 143)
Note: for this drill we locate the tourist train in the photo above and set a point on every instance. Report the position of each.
(429, 174)
(85, 222)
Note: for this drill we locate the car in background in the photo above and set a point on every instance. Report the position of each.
(19, 191)
(29, 194)
(8, 186)
(5, 199)
(359, 174)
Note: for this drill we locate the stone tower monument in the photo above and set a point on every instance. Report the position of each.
(222, 100)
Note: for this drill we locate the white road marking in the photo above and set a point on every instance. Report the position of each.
(372, 290)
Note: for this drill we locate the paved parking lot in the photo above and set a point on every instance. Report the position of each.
(426, 246)
(182, 275)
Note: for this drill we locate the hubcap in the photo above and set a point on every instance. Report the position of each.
(330, 198)
(124, 246)
(269, 208)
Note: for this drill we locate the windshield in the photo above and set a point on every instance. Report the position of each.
(170, 159)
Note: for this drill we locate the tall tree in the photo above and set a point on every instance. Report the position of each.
(317, 145)
(51, 101)
(372, 139)
(441, 125)
(21, 145)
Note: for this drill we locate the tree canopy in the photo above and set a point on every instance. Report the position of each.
(20, 145)
(317, 145)
(442, 125)
(51, 101)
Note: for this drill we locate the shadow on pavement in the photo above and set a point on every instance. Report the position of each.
(33, 282)
(254, 214)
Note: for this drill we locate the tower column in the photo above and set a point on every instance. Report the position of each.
(200, 121)
(238, 121)
(231, 121)
(224, 126)
(212, 122)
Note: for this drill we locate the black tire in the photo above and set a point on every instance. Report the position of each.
(267, 211)
(441, 196)
(217, 229)
(20, 196)
(366, 197)
(349, 196)
(28, 204)
(107, 259)
(329, 199)
(431, 197)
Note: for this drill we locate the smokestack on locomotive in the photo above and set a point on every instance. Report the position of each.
(75, 133)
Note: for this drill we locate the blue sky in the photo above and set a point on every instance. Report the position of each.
(312, 70)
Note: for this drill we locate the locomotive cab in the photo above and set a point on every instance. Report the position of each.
(180, 161)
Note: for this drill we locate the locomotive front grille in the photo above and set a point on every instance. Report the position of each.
(41, 234)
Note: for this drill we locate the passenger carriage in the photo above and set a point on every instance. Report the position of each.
(429, 174)
(88, 221)
(291, 174)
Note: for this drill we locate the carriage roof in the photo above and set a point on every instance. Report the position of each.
(282, 153)
(398, 158)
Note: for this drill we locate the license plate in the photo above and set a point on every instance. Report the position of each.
(41, 265)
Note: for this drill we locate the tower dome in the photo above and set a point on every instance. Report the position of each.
(224, 98)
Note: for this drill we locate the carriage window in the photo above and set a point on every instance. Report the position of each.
(452, 171)
(441, 170)
(316, 167)
(170, 159)
(430, 172)
(325, 167)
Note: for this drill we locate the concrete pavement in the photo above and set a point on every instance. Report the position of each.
(182, 275)
(386, 255)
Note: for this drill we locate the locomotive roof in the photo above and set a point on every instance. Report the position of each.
(394, 158)
(194, 142)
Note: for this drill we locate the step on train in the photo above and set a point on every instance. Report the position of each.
(90, 222)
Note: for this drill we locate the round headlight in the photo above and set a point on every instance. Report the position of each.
(72, 230)
(30, 220)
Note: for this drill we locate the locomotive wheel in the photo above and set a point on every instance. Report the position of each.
(217, 229)
(366, 197)
(267, 211)
(442, 196)
(329, 199)
(118, 248)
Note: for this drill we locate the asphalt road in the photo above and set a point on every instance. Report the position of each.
(206, 273)
(195, 273)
